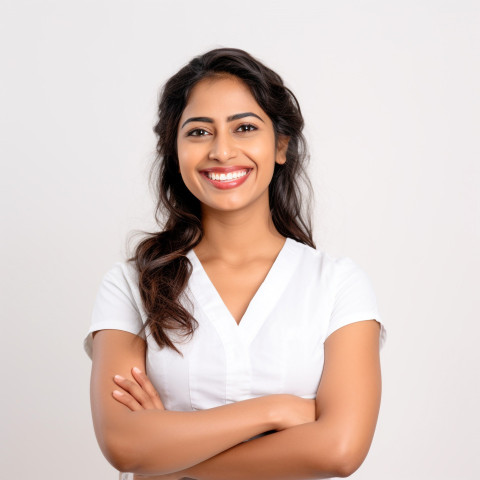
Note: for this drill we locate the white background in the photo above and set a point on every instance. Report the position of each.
(390, 93)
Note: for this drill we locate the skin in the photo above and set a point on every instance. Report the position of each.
(222, 125)
(235, 219)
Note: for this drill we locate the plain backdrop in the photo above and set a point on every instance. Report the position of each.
(390, 95)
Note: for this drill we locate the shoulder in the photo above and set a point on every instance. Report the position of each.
(340, 282)
(341, 275)
(118, 304)
(319, 261)
(121, 282)
(121, 273)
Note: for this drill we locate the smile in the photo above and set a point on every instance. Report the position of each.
(229, 179)
(225, 177)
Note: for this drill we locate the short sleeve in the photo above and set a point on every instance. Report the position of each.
(354, 299)
(117, 305)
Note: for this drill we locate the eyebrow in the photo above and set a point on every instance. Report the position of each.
(231, 118)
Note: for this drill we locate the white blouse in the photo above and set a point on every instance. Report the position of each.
(276, 348)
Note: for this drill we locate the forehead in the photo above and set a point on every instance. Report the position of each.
(220, 96)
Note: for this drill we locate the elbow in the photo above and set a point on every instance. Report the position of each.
(347, 459)
(345, 469)
(122, 450)
(126, 454)
(341, 458)
(119, 453)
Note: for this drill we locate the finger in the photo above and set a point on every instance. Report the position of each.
(127, 400)
(148, 387)
(134, 389)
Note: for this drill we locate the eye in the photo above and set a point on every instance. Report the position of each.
(246, 127)
(197, 132)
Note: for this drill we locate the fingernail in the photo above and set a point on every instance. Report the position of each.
(119, 377)
(118, 392)
(137, 370)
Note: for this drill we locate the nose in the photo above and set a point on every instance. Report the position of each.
(222, 148)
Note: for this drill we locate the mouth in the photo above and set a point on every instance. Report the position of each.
(228, 177)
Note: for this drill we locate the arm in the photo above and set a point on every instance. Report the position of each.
(160, 441)
(338, 441)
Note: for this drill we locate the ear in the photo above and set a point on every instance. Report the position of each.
(282, 146)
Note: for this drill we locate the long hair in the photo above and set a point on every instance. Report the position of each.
(160, 258)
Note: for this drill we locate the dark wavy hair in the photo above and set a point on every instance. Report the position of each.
(160, 258)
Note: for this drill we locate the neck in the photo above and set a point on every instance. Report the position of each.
(239, 236)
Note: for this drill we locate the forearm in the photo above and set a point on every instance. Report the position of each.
(155, 441)
(303, 452)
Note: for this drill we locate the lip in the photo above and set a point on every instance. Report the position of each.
(222, 184)
(233, 168)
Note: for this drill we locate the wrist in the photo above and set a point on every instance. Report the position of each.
(276, 411)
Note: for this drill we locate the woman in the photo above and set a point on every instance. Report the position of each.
(264, 351)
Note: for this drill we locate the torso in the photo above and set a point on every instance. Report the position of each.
(237, 285)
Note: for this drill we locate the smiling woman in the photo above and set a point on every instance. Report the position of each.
(219, 150)
(228, 346)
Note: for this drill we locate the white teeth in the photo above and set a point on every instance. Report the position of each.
(222, 177)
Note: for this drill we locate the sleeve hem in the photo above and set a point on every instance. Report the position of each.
(112, 325)
(359, 317)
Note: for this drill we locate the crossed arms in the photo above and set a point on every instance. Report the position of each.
(327, 437)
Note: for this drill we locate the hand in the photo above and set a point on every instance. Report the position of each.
(292, 411)
(138, 395)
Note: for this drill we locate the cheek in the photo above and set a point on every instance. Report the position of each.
(186, 159)
(264, 157)
(188, 162)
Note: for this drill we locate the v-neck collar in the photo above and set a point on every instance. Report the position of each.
(265, 298)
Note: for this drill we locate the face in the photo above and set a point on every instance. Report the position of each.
(226, 146)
